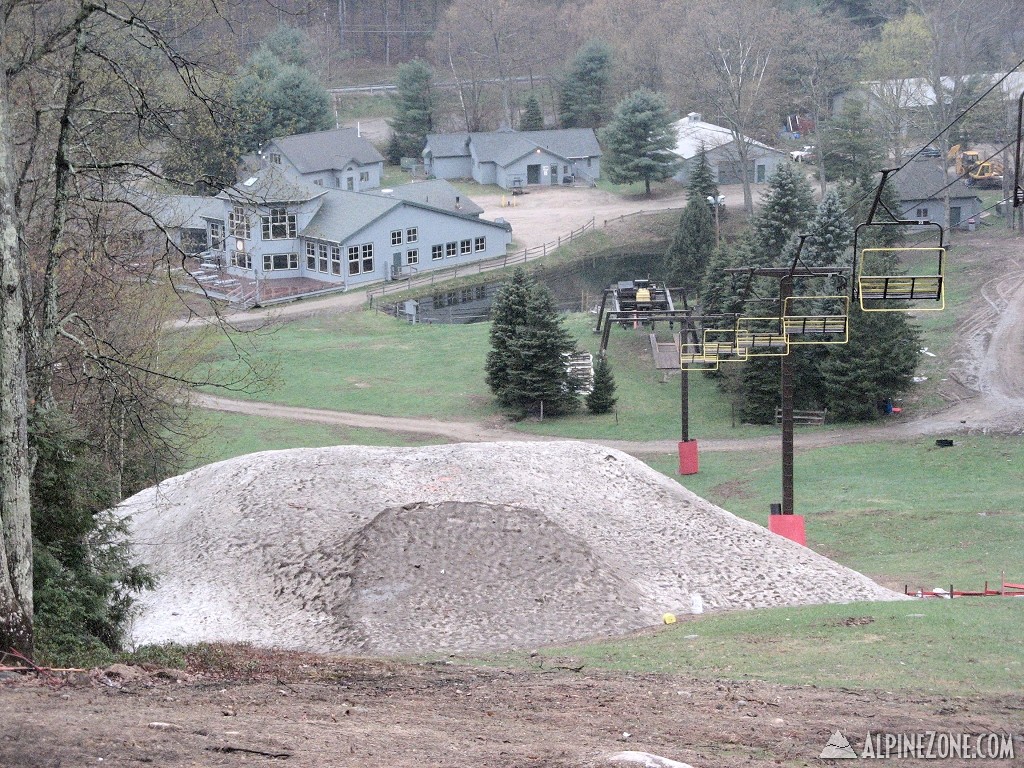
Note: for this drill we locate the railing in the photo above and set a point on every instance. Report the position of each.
(478, 267)
(635, 213)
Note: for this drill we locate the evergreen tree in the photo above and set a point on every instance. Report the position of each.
(533, 117)
(525, 366)
(787, 209)
(508, 317)
(276, 97)
(720, 290)
(583, 95)
(639, 141)
(414, 110)
(850, 149)
(692, 246)
(701, 184)
(602, 398)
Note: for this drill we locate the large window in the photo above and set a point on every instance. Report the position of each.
(480, 244)
(353, 259)
(368, 258)
(241, 259)
(321, 257)
(335, 259)
(364, 176)
(412, 235)
(276, 261)
(239, 222)
(311, 257)
(466, 246)
(451, 249)
(279, 225)
(412, 256)
(436, 252)
(396, 237)
(216, 234)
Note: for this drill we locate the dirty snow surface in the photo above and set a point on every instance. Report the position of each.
(462, 548)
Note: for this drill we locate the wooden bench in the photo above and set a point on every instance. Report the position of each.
(799, 325)
(900, 287)
(809, 418)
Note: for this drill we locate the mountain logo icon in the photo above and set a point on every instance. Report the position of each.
(837, 748)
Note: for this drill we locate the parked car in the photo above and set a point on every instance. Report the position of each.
(803, 155)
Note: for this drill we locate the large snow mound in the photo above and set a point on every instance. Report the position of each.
(466, 547)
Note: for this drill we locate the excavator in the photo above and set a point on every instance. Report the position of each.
(975, 172)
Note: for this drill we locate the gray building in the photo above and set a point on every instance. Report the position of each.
(506, 158)
(272, 227)
(338, 159)
(918, 186)
(722, 152)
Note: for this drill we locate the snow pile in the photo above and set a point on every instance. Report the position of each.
(465, 547)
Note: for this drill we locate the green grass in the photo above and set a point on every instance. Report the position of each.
(226, 435)
(951, 647)
(902, 513)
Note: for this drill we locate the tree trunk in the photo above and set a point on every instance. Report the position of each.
(15, 510)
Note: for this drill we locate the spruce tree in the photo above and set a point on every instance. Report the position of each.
(602, 398)
(787, 210)
(639, 142)
(414, 109)
(533, 117)
(701, 184)
(508, 316)
(583, 94)
(692, 246)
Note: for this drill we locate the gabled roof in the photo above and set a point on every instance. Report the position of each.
(270, 185)
(691, 132)
(922, 179)
(179, 211)
(437, 193)
(447, 144)
(343, 213)
(326, 150)
(505, 147)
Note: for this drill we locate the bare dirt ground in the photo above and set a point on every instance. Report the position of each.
(252, 707)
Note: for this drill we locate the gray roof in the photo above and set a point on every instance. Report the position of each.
(447, 144)
(270, 185)
(343, 213)
(326, 150)
(922, 179)
(180, 211)
(505, 147)
(437, 193)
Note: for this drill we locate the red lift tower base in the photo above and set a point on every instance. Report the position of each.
(688, 464)
(790, 526)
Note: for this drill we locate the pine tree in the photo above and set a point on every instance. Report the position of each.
(533, 117)
(701, 184)
(525, 366)
(508, 316)
(787, 209)
(583, 95)
(414, 109)
(692, 246)
(602, 398)
(639, 142)
(850, 149)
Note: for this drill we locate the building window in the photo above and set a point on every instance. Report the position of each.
(466, 246)
(241, 259)
(396, 237)
(450, 249)
(368, 258)
(318, 182)
(321, 257)
(436, 252)
(275, 158)
(311, 257)
(279, 225)
(216, 234)
(364, 176)
(412, 256)
(335, 259)
(275, 261)
(353, 259)
(239, 223)
(480, 244)
(412, 235)
(337, 182)
(350, 183)
(922, 214)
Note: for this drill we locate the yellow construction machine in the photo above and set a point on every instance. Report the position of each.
(975, 172)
